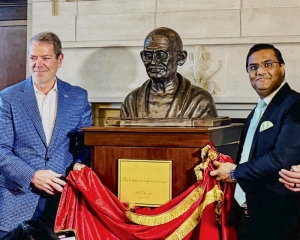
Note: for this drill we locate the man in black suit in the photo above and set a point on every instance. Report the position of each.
(269, 142)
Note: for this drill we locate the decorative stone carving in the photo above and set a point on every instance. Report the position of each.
(200, 72)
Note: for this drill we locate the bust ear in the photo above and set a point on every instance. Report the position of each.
(142, 57)
(182, 55)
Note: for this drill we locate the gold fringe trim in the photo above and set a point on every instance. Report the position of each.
(186, 227)
(168, 216)
(212, 155)
(214, 195)
(209, 155)
(198, 172)
(218, 211)
(204, 151)
(131, 206)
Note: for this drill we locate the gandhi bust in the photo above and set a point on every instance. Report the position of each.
(166, 94)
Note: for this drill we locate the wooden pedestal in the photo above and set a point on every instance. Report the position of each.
(179, 144)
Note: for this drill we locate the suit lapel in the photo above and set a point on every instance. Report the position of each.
(273, 105)
(62, 107)
(29, 102)
(266, 115)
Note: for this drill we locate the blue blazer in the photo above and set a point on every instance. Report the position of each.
(273, 208)
(23, 147)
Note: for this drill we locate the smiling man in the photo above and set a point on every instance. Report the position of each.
(269, 142)
(166, 94)
(38, 118)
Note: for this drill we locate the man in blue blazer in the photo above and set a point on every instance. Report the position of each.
(274, 145)
(38, 118)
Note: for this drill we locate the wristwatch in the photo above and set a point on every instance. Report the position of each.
(232, 175)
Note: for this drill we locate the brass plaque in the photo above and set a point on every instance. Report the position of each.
(145, 182)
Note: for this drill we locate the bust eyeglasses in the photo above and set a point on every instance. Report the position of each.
(267, 65)
(159, 55)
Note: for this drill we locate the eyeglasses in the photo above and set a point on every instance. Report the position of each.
(267, 65)
(159, 55)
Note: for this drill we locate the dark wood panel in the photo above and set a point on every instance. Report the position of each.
(161, 136)
(142, 139)
(158, 129)
(13, 12)
(180, 145)
(13, 40)
(13, 2)
(105, 164)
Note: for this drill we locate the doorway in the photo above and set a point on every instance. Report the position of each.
(13, 41)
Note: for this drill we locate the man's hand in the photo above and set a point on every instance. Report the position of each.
(78, 166)
(48, 181)
(291, 179)
(223, 171)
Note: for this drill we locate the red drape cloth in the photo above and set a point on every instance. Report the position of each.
(200, 212)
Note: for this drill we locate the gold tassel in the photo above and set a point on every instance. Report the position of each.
(209, 155)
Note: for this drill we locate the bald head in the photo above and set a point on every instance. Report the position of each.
(163, 34)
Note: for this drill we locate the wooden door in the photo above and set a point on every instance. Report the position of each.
(13, 41)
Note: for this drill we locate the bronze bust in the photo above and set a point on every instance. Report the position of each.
(166, 94)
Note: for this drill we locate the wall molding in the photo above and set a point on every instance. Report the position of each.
(13, 23)
(186, 42)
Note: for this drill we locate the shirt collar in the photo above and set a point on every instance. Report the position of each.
(269, 98)
(38, 91)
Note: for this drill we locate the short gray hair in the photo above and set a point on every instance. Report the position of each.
(48, 37)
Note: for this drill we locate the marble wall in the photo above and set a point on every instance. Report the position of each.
(102, 40)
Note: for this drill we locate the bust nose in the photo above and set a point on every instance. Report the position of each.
(154, 60)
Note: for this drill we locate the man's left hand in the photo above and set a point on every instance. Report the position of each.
(291, 179)
(223, 171)
(78, 166)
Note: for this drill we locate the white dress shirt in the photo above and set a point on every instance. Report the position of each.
(47, 106)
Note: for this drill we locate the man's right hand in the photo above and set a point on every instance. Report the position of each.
(48, 181)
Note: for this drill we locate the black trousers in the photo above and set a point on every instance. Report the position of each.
(2, 234)
(46, 210)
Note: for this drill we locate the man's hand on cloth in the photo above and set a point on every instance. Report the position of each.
(291, 179)
(78, 166)
(48, 181)
(51, 182)
(222, 173)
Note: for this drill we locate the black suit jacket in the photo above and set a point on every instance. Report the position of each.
(273, 209)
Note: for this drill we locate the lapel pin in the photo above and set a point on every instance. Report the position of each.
(66, 96)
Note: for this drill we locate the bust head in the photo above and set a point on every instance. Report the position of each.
(167, 94)
(162, 54)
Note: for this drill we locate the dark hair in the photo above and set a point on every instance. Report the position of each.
(262, 46)
(31, 230)
(48, 37)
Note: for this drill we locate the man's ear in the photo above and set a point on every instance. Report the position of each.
(60, 59)
(282, 67)
(142, 56)
(182, 55)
